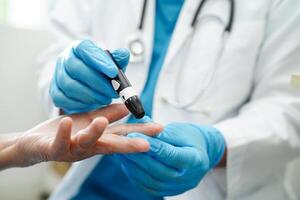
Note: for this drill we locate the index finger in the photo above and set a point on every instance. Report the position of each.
(173, 156)
(109, 144)
(112, 113)
(150, 129)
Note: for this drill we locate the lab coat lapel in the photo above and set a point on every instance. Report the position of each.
(149, 32)
(182, 29)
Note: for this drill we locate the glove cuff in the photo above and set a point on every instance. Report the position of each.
(215, 144)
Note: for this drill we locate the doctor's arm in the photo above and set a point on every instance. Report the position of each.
(68, 21)
(265, 136)
(260, 141)
(75, 137)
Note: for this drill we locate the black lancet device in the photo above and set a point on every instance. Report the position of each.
(126, 92)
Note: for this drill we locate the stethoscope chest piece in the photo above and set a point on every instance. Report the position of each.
(136, 47)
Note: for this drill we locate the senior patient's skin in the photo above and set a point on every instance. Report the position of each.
(74, 138)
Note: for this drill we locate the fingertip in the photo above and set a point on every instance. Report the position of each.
(153, 129)
(140, 141)
(157, 128)
(122, 52)
(97, 126)
(66, 123)
(122, 57)
(62, 138)
(112, 71)
(141, 145)
(89, 136)
(67, 119)
(100, 122)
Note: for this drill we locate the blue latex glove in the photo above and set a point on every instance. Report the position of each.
(80, 81)
(179, 158)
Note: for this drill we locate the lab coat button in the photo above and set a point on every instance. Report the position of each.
(163, 99)
(207, 111)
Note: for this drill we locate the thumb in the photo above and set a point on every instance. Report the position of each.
(122, 57)
(176, 157)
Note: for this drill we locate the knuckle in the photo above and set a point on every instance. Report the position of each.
(169, 154)
(77, 45)
(103, 100)
(57, 98)
(175, 176)
(52, 90)
(201, 162)
(205, 166)
(59, 62)
(67, 86)
(195, 161)
(56, 153)
(78, 152)
(73, 66)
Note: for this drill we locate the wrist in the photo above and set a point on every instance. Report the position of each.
(8, 151)
(223, 161)
(215, 145)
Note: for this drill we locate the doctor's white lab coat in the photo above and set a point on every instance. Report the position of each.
(239, 84)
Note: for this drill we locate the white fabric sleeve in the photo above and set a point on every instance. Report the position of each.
(265, 135)
(70, 20)
(75, 177)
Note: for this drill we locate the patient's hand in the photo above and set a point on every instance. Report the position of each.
(77, 137)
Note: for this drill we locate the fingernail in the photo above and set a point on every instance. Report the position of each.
(143, 145)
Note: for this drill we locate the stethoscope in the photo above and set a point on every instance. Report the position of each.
(136, 44)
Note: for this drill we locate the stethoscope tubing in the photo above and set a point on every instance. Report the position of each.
(176, 102)
(201, 7)
(194, 22)
(227, 29)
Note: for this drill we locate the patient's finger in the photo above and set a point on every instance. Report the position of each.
(89, 136)
(113, 112)
(62, 140)
(150, 129)
(110, 143)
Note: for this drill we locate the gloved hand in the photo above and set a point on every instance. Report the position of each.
(80, 82)
(178, 159)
